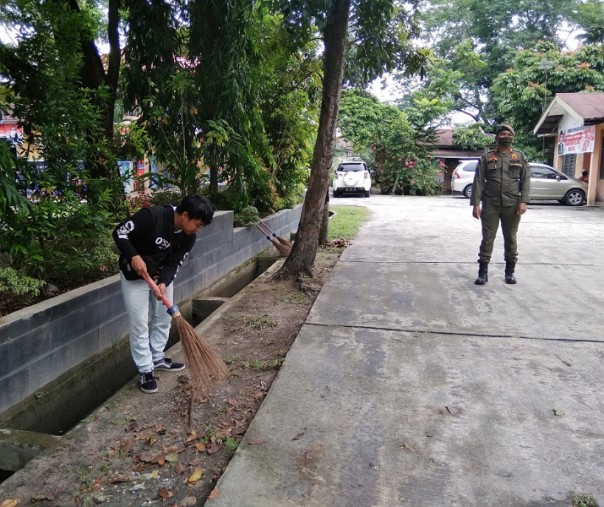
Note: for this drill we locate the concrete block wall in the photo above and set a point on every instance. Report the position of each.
(40, 343)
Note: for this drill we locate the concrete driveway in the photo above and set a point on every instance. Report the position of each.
(409, 385)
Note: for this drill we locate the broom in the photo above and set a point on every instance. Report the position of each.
(280, 239)
(204, 363)
(283, 246)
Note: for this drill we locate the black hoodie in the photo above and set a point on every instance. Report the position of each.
(150, 233)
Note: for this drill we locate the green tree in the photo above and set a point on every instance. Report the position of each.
(59, 86)
(589, 19)
(223, 39)
(522, 93)
(477, 40)
(10, 198)
(158, 84)
(471, 137)
(400, 151)
(203, 91)
(289, 92)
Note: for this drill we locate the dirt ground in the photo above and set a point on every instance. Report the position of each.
(163, 449)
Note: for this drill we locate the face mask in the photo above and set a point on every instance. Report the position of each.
(505, 141)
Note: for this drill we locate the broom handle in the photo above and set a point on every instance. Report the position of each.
(172, 309)
(267, 228)
(263, 231)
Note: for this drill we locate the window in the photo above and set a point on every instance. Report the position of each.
(356, 167)
(569, 163)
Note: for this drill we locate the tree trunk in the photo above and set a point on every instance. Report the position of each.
(213, 179)
(303, 254)
(113, 70)
(324, 221)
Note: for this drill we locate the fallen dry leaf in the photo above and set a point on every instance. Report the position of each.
(453, 410)
(408, 446)
(215, 493)
(165, 493)
(256, 442)
(201, 447)
(150, 457)
(97, 485)
(9, 502)
(179, 468)
(192, 436)
(223, 434)
(197, 461)
(195, 476)
(298, 436)
(153, 475)
(213, 448)
(119, 480)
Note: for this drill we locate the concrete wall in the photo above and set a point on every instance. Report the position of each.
(42, 342)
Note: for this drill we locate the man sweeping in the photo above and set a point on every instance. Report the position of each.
(155, 241)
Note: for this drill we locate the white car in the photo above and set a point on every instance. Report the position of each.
(546, 183)
(352, 177)
(463, 177)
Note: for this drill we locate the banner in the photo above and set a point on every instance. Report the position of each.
(12, 133)
(577, 140)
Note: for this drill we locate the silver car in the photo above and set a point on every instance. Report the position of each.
(546, 183)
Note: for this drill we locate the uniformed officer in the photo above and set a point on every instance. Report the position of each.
(503, 184)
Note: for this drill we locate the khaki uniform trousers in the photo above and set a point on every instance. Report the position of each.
(490, 216)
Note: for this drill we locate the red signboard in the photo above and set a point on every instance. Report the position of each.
(577, 140)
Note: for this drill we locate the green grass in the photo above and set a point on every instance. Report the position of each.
(346, 222)
(259, 321)
(580, 500)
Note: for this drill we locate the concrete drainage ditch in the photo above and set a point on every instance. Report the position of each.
(38, 422)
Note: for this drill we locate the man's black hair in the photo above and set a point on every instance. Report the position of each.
(197, 207)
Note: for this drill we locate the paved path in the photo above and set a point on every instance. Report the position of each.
(409, 385)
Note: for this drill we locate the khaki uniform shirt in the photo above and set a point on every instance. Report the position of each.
(502, 179)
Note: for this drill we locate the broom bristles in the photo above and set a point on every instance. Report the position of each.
(283, 249)
(204, 364)
(284, 241)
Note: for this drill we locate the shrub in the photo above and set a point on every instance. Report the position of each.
(248, 216)
(63, 241)
(411, 176)
(161, 197)
(13, 282)
(18, 290)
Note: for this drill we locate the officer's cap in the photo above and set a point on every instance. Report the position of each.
(503, 126)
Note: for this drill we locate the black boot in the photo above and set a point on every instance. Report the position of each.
(509, 272)
(483, 273)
